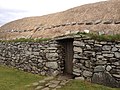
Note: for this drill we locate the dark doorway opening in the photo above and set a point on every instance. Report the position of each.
(67, 47)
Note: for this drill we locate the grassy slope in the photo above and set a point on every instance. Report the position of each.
(12, 79)
(80, 85)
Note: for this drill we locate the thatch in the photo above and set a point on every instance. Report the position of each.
(106, 10)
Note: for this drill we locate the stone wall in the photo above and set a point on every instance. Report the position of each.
(97, 62)
(40, 58)
(94, 61)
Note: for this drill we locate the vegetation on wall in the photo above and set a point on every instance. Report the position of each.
(102, 37)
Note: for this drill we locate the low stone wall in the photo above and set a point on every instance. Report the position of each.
(40, 58)
(94, 61)
(97, 62)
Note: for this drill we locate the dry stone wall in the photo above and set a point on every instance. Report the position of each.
(38, 58)
(94, 61)
(97, 62)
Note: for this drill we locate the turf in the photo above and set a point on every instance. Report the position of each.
(13, 79)
(82, 85)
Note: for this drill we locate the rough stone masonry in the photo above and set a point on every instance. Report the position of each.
(94, 61)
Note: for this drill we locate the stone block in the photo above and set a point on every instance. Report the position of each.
(117, 54)
(104, 78)
(79, 43)
(87, 73)
(97, 22)
(106, 47)
(99, 69)
(108, 55)
(107, 22)
(51, 56)
(116, 76)
(114, 49)
(78, 49)
(80, 78)
(53, 65)
(108, 68)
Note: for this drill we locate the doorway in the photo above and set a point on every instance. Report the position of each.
(67, 47)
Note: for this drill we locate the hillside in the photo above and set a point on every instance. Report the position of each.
(97, 17)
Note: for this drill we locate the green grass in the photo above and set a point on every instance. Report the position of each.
(102, 37)
(81, 85)
(12, 79)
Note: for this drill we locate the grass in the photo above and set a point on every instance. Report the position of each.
(102, 37)
(13, 79)
(81, 85)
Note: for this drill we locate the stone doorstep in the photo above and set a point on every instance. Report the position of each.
(48, 78)
(42, 81)
(46, 88)
(35, 84)
(38, 87)
(49, 83)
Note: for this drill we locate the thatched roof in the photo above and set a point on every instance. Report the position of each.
(101, 16)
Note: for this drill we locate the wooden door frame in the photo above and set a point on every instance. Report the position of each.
(68, 47)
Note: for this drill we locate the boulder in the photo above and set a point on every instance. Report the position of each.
(104, 78)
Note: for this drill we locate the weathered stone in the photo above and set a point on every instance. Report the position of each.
(107, 22)
(103, 43)
(42, 81)
(88, 47)
(117, 45)
(77, 70)
(55, 82)
(58, 87)
(38, 87)
(108, 68)
(117, 22)
(97, 22)
(55, 73)
(76, 43)
(51, 48)
(53, 65)
(76, 73)
(52, 51)
(114, 49)
(89, 53)
(50, 55)
(46, 88)
(36, 53)
(117, 54)
(104, 78)
(116, 75)
(76, 56)
(99, 57)
(78, 49)
(87, 73)
(49, 78)
(53, 85)
(106, 47)
(80, 78)
(116, 63)
(108, 55)
(99, 69)
(35, 84)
